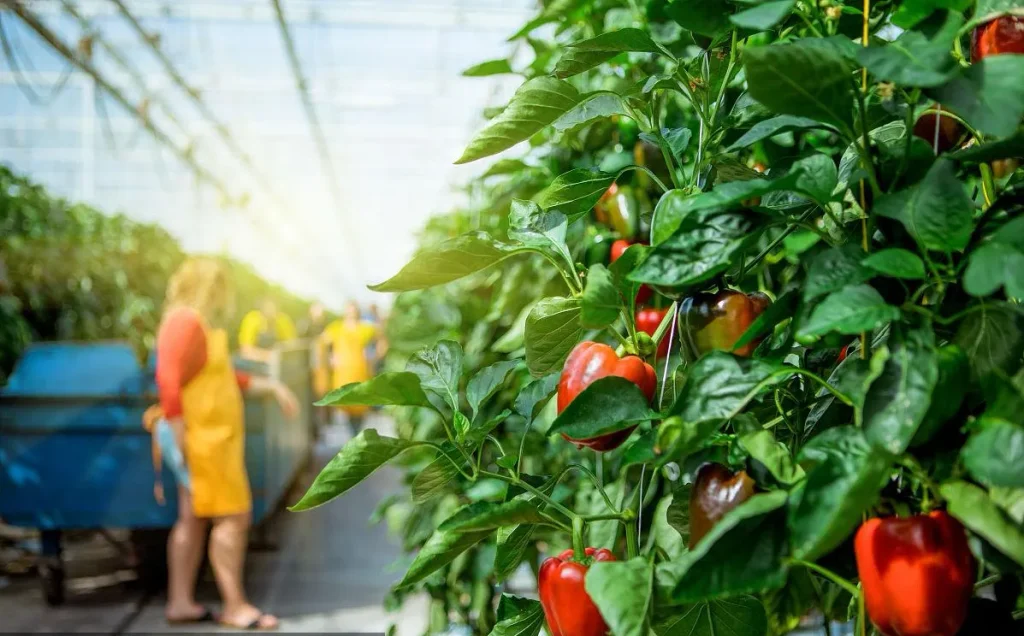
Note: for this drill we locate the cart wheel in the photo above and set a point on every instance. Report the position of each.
(150, 548)
(51, 579)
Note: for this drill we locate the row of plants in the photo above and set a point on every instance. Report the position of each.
(735, 343)
(75, 273)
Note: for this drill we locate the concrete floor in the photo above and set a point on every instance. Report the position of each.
(329, 573)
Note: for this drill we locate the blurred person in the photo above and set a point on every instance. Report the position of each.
(311, 328)
(379, 348)
(262, 328)
(201, 398)
(347, 339)
(315, 322)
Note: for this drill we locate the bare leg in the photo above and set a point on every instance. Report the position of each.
(227, 555)
(184, 554)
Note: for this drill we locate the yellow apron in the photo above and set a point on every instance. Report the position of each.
(348, 356)
(215, 434)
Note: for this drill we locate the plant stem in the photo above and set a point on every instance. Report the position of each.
(988, 580)
(828, 574)
(653, 176)
(988, 185)
(632, 544)
(579, 550)
(605, 517)
(597, 484)
(526, 486)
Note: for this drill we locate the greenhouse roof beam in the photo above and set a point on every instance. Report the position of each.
(317, 131)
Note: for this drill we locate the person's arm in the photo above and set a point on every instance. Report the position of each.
(248, 338)
(261, 385)
(180, 355)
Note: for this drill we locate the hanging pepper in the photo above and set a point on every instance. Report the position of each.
(643, 294)
(1005, 34)
(715, 491)
(917, 573)
(567, 606)
(941, 132)
(648, 320)
(717, 321)
(618, 208)
(590, 361)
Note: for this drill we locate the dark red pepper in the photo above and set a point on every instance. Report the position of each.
(1002, 35)
(917, 573)
(567, 606)
(590, 361)
(648, 320)
(618, 247)
(716, 322)
(715, 491)
(950, 131)
(843, 352)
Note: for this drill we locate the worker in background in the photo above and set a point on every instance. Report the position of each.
(201, 398)
(347, 339)
(319, 351)
(262, 328)
(379, 347)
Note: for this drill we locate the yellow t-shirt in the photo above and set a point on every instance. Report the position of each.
(348, 350)
(255, 331)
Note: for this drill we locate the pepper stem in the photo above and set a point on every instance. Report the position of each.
(579, 552)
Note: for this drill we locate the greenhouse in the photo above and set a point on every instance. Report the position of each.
(563, 317)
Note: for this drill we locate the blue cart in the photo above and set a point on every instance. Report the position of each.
(74, 454)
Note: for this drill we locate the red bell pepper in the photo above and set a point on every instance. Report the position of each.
(717, 321)
(843, 352)
(716, 491)
(567, 606)
(618, 247)
(590, 361)
(939, 131)
(917, 573)
(1002, 35)
(648, 320)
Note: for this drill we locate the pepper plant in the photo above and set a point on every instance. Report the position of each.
(821, 201)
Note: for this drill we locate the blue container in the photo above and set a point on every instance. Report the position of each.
(74, 453)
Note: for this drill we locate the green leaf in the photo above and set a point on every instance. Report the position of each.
(597, 105)
(435, 476)
(512, 545)
(936, 211)
(805, 78)
(981, 515)
(537, 229)
(720, 385)
(575, 193)
(506, 167)
(536, 394)
(668, 214)
(992, 339)
(851, 377)
(440, 550)
(743, 553)
(600, 304)
(1011, 500)
(776, 457)
(1011, 147)
(917, 58)
(362, 455)
(995, 454)
(818, 177)
(739, 616)
(486, 382)
(999, 262)
(451, 260)
(898, 400)
(763, 16)
(771, 127)
(518, 617)
(911, 12)
(608, 405)
(619, 41)
(896, 262)
(850, 310)
(485, 515)
(844, 481)
(478, 431)
(537, 104)
(439, 369)
(781, 309)
(833, 269)
(703, 17)
(988, 94)
(703, 247)
(552, 330)
(490, 67)
(622, 591)
(573, 62)
(991, 9)
(399, 388)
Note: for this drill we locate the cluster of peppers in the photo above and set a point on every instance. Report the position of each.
(917, 573)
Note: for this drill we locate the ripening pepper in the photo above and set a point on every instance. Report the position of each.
(939, 131)
(643, 294)
(715, 491)
(647, 320)
(590, 361)
(1005, 34)
(917, 573)
(567, 606)
(716, 322)
(619, 209)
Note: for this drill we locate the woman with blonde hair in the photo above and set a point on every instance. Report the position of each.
(201, 397)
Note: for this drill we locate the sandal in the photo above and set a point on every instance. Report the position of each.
(206, 617)
(252, 626)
